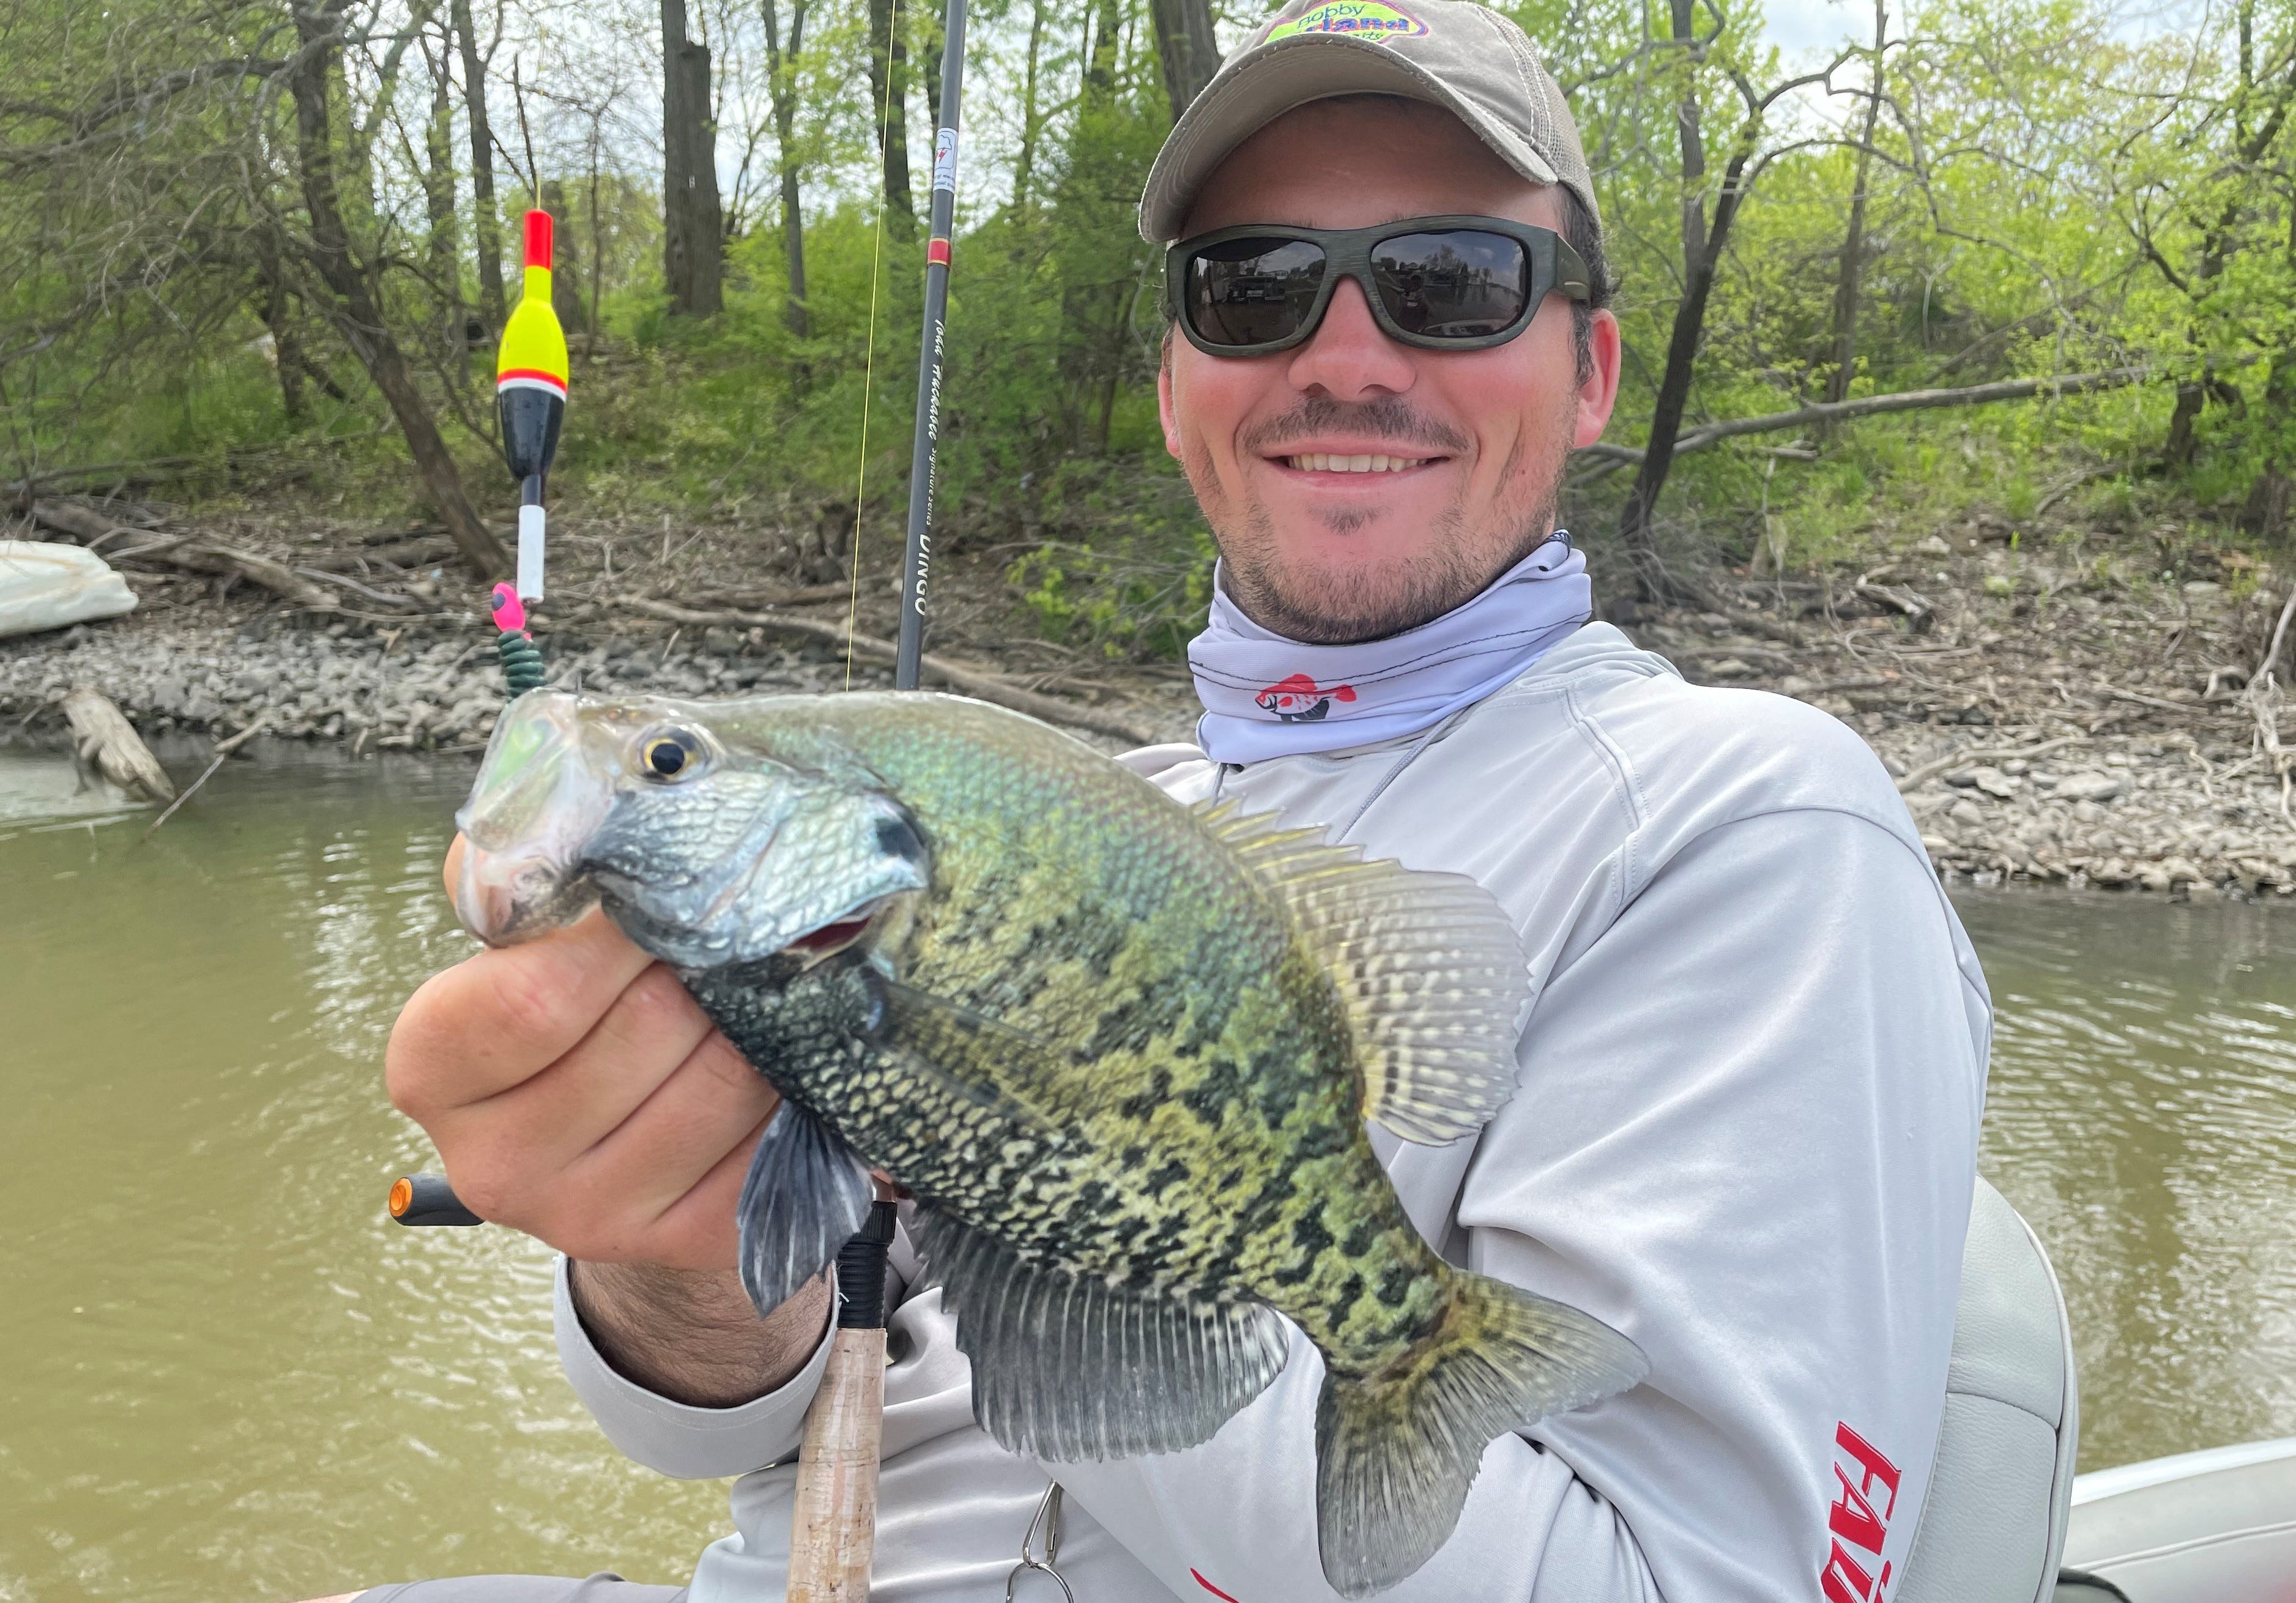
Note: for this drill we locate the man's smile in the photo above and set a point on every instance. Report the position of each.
(1350, 463)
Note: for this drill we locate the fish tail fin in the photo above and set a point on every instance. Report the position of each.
(1397, 1449)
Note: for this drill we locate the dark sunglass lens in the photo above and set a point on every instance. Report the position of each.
(1251, 292)
(1455, 285)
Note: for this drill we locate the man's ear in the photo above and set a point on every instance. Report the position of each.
(1600, 390)
(1164, 409)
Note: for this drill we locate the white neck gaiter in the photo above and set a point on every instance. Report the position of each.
(1266, 696)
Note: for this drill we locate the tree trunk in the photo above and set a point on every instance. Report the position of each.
(1693, 144)
(932, 80)
(1853, 247)
(566, 275)
(357, 310)
(597, 249)
(693, 225)
(783, 79)
(486, 222)
(1700, 251)
(1024, 167)
(2183, 443)
(1100, 67)
(1186, 48)
(889, 82)
(445, 252)
(1635, 520)
(285, 346)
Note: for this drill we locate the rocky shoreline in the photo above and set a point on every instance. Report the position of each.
(2024, 750)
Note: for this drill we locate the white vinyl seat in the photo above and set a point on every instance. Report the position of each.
(1993, 1525)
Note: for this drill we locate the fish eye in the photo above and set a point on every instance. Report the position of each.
(669, 754)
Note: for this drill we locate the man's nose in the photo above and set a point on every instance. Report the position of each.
(1349, 358)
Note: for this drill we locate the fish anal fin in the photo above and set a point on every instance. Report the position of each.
(1432, 974)
(1069, 1370)
(1396, 1452)
(805, 1195)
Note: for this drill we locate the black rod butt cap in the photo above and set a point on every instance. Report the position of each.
(427, 1199)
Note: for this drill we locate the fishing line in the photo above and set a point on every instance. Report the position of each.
(869, 361)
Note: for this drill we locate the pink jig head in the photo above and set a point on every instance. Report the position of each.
(510, 612)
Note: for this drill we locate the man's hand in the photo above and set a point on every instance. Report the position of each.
(577, 1093)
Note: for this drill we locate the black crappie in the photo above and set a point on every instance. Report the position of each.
(1120, 1050)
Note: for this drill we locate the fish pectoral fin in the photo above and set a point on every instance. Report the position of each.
(1037, 1086)
(1433, 975)
(1069, 1370)
(807, 1193)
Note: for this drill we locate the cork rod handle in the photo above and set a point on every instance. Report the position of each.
(834, 1533)
(833, 1521)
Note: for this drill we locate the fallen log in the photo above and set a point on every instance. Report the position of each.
(90, 527)
(974, 681)
(228, 562)
(104, 740)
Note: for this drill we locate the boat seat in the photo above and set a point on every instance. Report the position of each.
(1993, 1526)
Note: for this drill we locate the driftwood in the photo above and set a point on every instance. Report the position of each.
(223, 749)
(1917, 610)
(90, 528)
(973, 681)
(810, 595)
(413, 550)
(104, 740)
(1953, 760)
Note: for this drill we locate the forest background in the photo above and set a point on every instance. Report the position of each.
(1988, 259)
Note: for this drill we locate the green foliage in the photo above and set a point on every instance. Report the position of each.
(2048, 192)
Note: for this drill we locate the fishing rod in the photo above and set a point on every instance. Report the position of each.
(916, 573)
(832, 1534)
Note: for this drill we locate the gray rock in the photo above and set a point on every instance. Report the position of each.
(2092, 785)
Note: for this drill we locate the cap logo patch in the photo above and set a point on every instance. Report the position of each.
(1373, 18)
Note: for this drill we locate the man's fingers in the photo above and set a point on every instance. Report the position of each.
(642, 1109)
(698, 1231)
(501, 1016)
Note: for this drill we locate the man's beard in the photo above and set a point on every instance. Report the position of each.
(1341, 605)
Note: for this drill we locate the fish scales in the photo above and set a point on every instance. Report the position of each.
(1119, 1050)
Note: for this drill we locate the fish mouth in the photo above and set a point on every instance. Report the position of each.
(507, 897)
(849, 929)
(534, 804)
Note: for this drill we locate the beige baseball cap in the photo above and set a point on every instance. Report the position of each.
(1453, 54)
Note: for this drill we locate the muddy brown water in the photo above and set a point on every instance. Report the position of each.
(228, 1376)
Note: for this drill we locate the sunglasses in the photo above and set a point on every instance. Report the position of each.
(1438, 283)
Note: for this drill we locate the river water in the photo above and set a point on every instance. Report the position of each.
(228, 1376)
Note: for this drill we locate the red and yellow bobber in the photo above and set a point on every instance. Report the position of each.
(531, 398)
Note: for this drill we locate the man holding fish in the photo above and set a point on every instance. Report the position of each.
(1642, 1283)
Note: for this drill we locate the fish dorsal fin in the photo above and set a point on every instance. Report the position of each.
(1070, 1369)
(1432, 974)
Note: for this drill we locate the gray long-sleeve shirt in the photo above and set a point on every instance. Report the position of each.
(1744, 1134)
